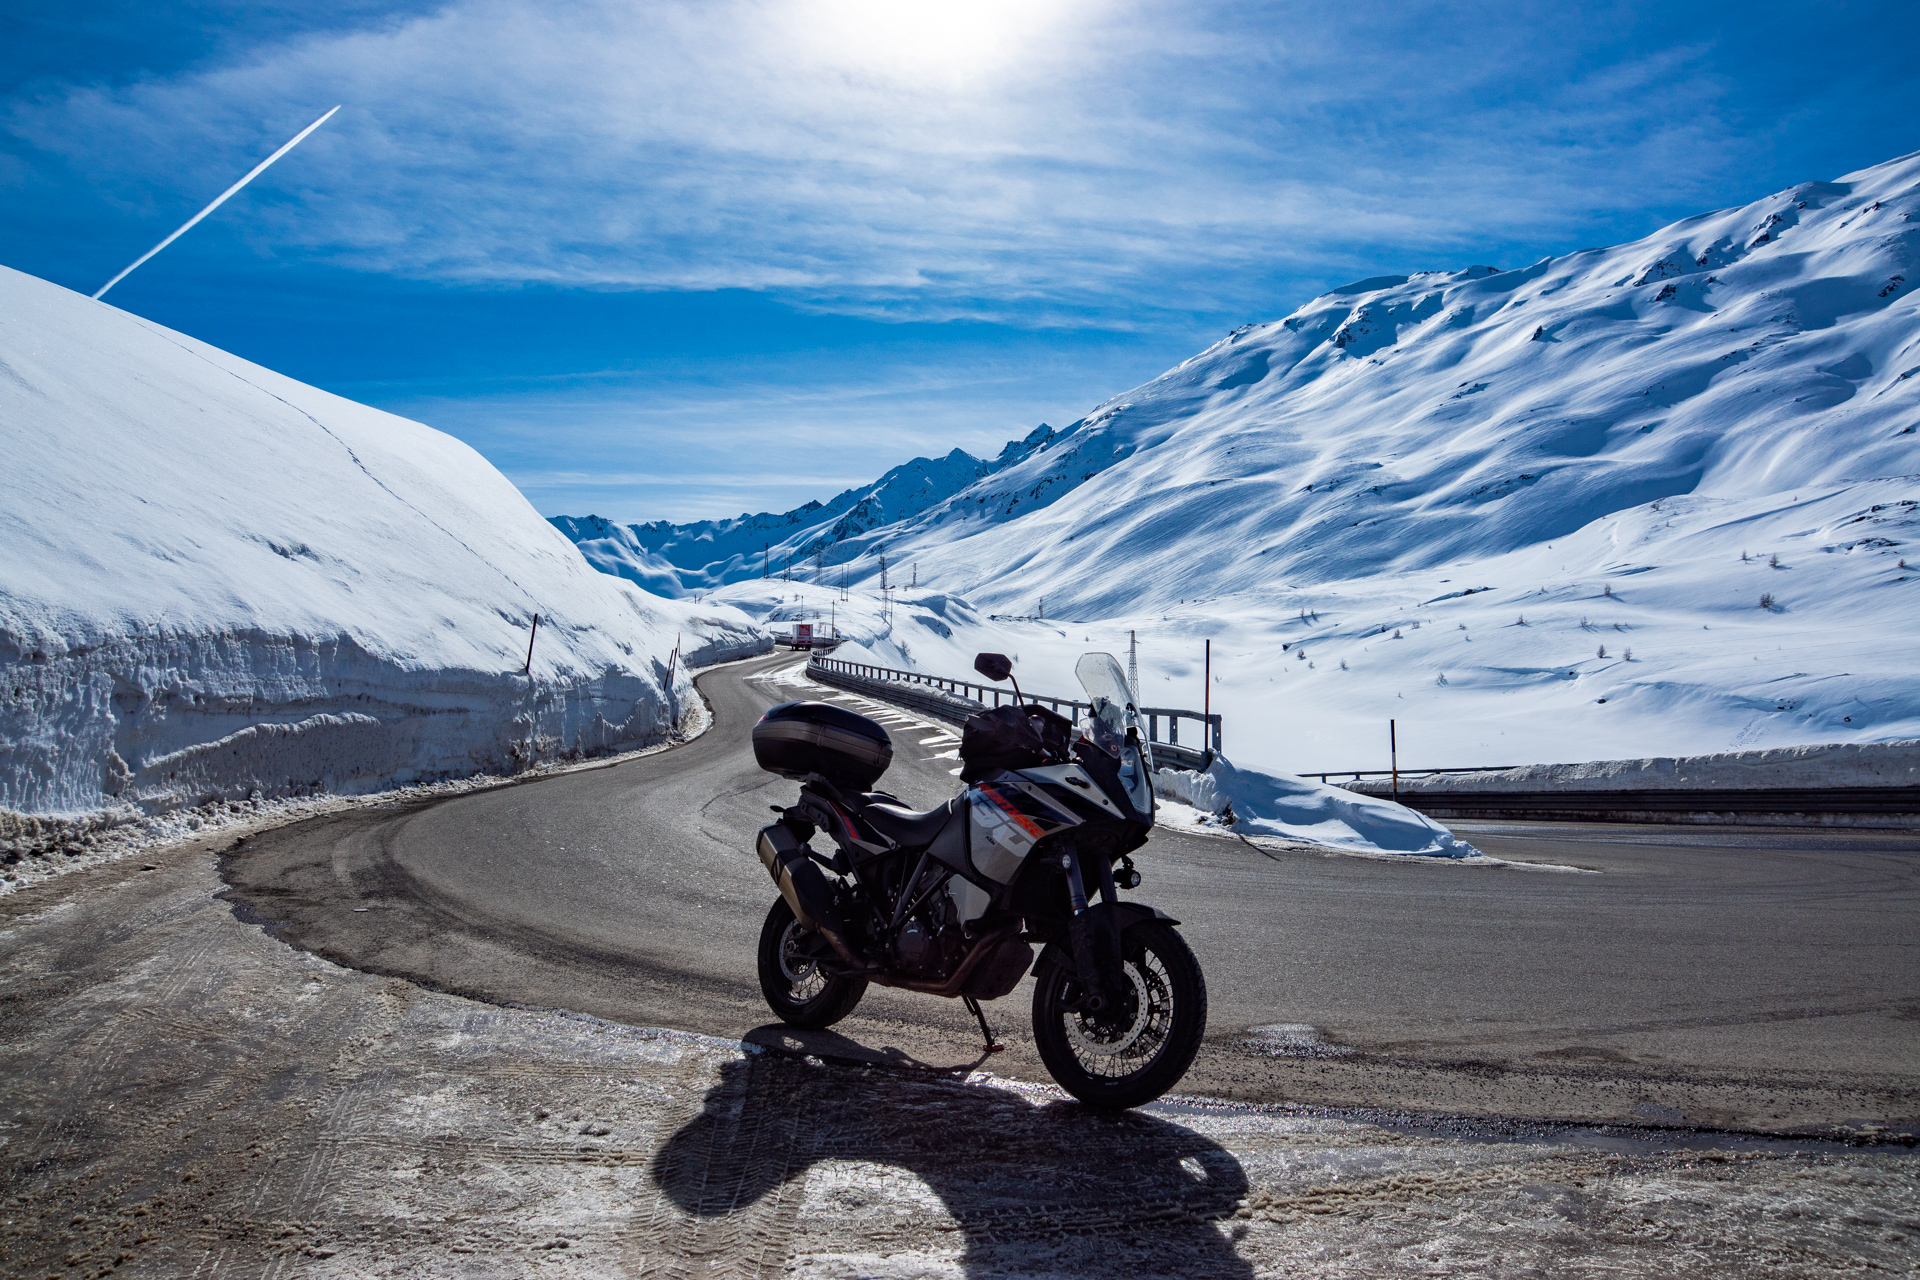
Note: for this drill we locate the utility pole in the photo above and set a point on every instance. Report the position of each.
(1133, 666)
(916, 575)
(766, 559)
(1043, 608)
(1206, 701)
(883, 573)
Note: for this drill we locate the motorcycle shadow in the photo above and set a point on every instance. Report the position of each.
(1053, 1186)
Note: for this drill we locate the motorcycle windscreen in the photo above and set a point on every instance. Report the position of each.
(1113, 725)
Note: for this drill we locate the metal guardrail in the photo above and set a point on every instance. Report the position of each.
(971, 697)
(1896, 807)
(1357, 774)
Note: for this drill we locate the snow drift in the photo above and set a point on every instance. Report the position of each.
(222, 582)
(1658, 499)
(1302, 809)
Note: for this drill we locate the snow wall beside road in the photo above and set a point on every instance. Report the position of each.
(220, 582)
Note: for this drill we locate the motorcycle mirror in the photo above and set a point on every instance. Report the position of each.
(994, 666)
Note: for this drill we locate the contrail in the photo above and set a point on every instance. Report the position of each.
(222, 199)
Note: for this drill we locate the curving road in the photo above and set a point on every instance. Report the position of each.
(1753, 979)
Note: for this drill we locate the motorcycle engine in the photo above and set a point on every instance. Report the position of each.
(932, 946)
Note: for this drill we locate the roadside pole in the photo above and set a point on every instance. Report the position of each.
(1393, 755)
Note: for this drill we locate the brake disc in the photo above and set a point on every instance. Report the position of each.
(1107, 1041)
(790, 955)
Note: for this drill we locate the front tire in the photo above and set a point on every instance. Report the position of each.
(797, 990)
(1139, 1051)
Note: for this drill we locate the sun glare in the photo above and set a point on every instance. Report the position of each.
(923, 36)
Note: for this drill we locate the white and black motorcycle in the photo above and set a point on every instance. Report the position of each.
(950, 901)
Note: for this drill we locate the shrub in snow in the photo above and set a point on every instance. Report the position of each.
(1602, 652)
(1766, 600)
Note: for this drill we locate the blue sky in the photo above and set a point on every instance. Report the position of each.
(685, 260)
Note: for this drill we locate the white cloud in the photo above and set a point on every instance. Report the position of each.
(1041, 161)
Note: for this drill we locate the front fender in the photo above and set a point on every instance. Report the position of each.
(1127, 914)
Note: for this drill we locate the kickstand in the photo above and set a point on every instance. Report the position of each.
(973, 1006)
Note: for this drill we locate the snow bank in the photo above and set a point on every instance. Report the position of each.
(1301, 809)
(222, 582)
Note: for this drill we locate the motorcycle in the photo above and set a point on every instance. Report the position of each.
(951, 901)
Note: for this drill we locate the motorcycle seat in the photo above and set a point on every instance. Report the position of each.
(905, 827)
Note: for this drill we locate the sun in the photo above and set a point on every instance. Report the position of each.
(919, 37)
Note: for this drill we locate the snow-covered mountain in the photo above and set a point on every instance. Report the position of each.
(1418, 497)
(674, 559)
(220, 581)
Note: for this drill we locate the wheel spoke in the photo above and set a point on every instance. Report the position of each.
(802, 971)
(1116, 1046)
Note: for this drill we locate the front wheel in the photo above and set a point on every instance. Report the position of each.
(797, 990)
(1134, 1052)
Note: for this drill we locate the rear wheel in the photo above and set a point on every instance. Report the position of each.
(1138, 1049)
(797, 990)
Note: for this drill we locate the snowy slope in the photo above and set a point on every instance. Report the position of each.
(675, 559)
(219, 580)
(1532, 515)
(1405, 423)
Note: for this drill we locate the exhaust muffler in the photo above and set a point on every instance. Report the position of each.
(785, 857)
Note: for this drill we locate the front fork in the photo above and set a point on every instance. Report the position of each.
(1096, 937)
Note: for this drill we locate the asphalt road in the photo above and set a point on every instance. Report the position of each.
(1691, 976)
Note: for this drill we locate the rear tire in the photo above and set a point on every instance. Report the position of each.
(1143, 1049)
(799, 994)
